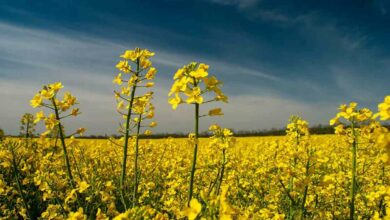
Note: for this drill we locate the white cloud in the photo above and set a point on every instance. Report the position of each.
(32, 57)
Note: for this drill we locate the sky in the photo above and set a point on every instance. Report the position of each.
(276, 58)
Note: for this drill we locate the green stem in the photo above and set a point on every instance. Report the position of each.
(136, 148)
(222, 170)
(19, 185)
(62, 137)
(291, 185)
(306, 190)
(125, 146)
(27, 135)
(190, 191)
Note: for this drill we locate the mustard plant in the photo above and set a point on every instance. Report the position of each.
(137, 108)
(382, 133)
(27, 125)
(194, 82)
(359, 123)
(48, 98)
(296, 130)
(223, 140)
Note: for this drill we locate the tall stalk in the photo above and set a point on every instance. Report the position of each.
(190, 191)
(222, 170)
(62, 137)
(19, 184)
(188, 81)
(125, 146)
(136, 148)
(306, 188)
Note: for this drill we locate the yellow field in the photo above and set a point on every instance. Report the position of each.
(254, 186)
(297, 176)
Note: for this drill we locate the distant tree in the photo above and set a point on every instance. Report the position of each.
(27, 127)
(2, 135)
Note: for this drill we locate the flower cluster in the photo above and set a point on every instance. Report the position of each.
(350, 119)
(383, 133)
(143, 69)
(194, 82)
(222, 137)
(297, 127)
(139, 76)
(48, 98)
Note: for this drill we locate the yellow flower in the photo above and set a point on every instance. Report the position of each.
(133, 80)
(175, 101)
(333, 121)
(75, 111)
(152, 124)
(193, 211)
(118, 79)
(177, 86)
(150, 114)
(130, 55)
(47, 93)
(100, 215)
(120, 105)
(36, 101)
(179, 73)
(123, 66)
(150, 74)
(83, 186)
(214, 127)
(148, 132)
(384, 109)
(80, 131)
(194, 96)
(221, 97)
(56, 86)
(215, 112)
(137, 53)
(145, 63)
(211, 82)
(149, 84)
(203, 66)
(227, 132)
(146, 53)
(39, 116)
(51, 122)
(199, 73)
(69, 99)
(125, 91)
(79, 215)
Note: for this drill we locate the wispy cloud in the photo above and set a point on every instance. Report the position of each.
(32, 57)
(302, 63)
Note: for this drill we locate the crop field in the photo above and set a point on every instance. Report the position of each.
(57, 175)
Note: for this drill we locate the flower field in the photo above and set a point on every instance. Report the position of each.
(296, 176)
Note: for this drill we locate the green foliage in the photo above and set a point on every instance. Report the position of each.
(2, 134)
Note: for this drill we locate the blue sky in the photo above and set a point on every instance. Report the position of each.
(276, 58)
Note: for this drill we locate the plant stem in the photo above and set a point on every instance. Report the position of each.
(68, 168)
(190, 191)
(125, 146)
(222, 170)
(19, 185)
(306, 190)
(136, 148)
